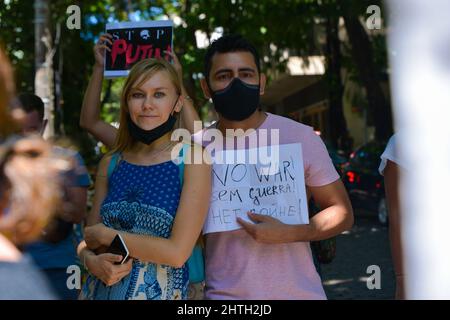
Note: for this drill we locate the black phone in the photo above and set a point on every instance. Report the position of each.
(119, 247)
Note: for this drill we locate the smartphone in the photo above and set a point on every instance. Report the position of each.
(118, 247)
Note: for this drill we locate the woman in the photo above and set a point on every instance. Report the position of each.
(157, 209)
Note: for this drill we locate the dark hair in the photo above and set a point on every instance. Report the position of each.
(229, 43)
(31, 102)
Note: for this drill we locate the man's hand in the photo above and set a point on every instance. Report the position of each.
(335, 217)
(266, 229)
(104, 268)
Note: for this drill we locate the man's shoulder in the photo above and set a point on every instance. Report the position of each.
(274, 120)
(290, 130)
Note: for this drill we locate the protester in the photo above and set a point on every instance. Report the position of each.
(268, 259)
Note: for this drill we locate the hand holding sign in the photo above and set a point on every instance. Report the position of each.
(265, 228)
(100, 49)
(176, 64)
(277, 190)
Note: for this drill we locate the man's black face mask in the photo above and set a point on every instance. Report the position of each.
(238, 101)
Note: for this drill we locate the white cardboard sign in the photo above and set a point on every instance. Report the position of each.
(277, 189)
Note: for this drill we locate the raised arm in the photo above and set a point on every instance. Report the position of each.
(188, 113)
(90, 110)
(336, 213)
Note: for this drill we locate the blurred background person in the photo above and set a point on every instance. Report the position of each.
(56, 249)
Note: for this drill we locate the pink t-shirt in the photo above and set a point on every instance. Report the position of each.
(238, 267)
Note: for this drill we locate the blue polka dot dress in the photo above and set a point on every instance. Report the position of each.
(142, 200)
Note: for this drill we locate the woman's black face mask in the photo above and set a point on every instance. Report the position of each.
(148, 136)
(238, 101)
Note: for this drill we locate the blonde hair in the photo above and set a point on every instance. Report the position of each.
(141, 71)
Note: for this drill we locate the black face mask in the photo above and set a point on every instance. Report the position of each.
(148, 136)
(238, 101)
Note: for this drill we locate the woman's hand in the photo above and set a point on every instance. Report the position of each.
(104, 268)
(98, 235)
(100, 49)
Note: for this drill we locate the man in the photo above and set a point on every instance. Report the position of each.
(268, 259)
(56, 250)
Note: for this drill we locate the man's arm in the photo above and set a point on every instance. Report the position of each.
(391, 174)
(335, 217)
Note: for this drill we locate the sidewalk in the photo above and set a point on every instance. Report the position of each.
(366, 244)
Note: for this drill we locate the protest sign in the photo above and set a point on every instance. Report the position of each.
(134, 41)
(276, 189)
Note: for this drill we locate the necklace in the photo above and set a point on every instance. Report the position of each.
(150, 156)
(166, 147)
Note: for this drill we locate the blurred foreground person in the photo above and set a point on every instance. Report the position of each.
(28, 178)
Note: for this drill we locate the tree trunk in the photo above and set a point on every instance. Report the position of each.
(59, 112)
(361, 49)
(336, 120)
(189, 83)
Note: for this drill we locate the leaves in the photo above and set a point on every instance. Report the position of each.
(276, 28)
